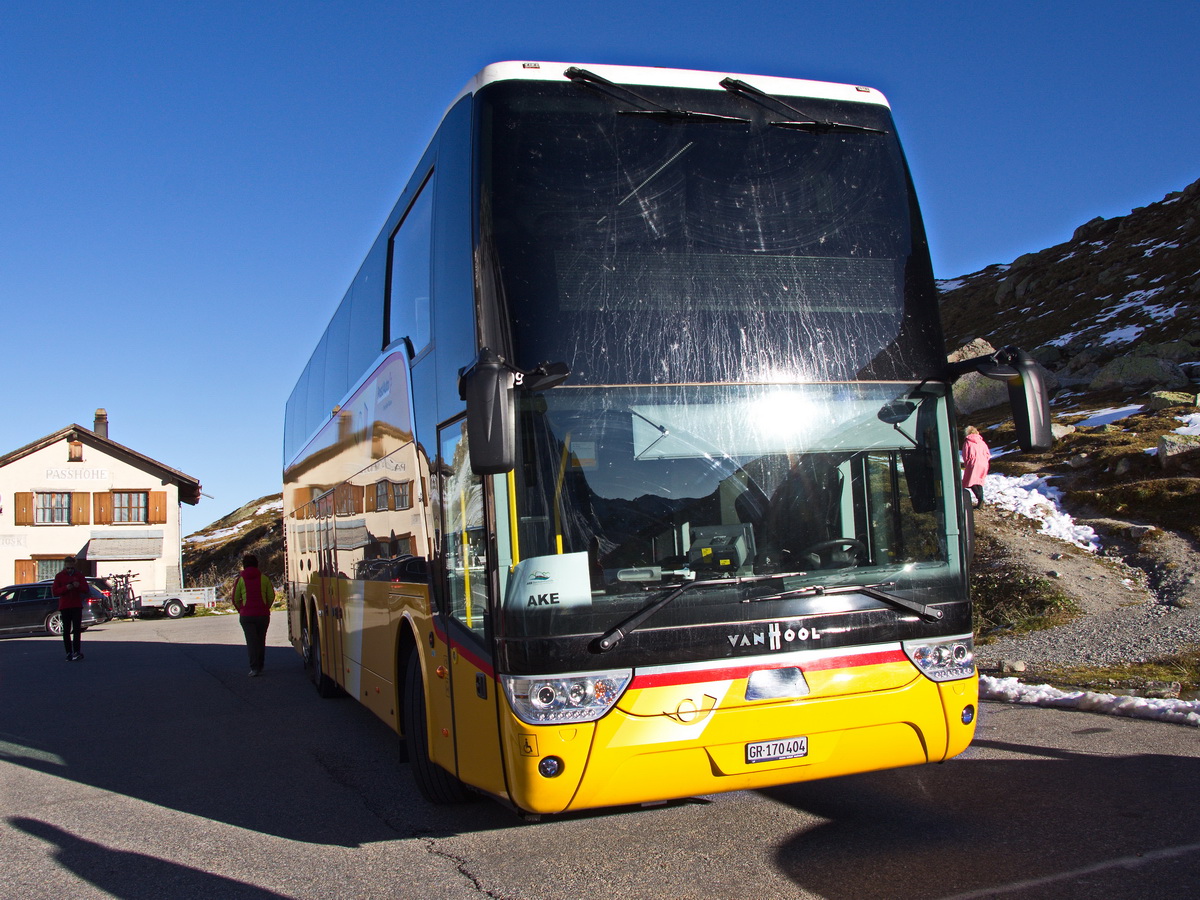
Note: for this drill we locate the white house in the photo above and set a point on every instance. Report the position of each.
(78, 493)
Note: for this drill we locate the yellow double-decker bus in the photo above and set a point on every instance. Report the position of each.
(626, 468)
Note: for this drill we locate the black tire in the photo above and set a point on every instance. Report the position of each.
(54, 624)
(310, 640)
(435, 783)
(174, 609)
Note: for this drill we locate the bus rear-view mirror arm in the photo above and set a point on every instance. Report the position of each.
(487, 387)
(1027, 394)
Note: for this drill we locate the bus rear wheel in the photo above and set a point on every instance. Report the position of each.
(311, 639)
(435, 783)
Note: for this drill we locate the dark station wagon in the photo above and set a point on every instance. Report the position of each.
(33, 609)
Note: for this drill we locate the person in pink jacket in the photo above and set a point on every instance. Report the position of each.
(252, 597)
(975, 457)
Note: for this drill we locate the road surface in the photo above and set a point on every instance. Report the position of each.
(156, 768)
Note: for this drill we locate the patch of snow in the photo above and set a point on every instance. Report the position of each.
(219, 533)
(268, 507)
(1098, 417)
(1165, 245)
(1068, 337)
(1124, 335)
(1182, 712)
(1191, 424)
(951, 285)
(1033, 497)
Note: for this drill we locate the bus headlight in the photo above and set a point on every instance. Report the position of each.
(943, 659)
(578, 697)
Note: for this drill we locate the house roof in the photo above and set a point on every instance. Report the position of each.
(189, 487)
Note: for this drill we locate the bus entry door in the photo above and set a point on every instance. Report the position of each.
(472, 674)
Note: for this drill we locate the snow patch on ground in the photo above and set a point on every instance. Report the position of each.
(1191, 424)
(1033, 497)
(1097, 417)
(1010, 690)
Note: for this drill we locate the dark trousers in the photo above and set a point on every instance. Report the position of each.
(72, 626)
(255, 629)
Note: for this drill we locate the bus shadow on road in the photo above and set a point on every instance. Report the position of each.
(124, 874)
(973, 826)
(180, 726)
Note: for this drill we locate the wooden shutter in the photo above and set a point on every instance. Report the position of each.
(102, 507)
(25, 571)
(369, 499)
(23, 509)
(357, 495)
(158, 508)
(81, 508)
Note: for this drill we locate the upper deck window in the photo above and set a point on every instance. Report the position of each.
(640, 248)
(409, 291)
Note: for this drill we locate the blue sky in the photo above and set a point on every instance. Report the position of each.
(188, 188)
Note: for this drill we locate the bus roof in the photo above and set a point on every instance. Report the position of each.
(685, 78)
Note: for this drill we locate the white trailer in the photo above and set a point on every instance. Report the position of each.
(174, 604)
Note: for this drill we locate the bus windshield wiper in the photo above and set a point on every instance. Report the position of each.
(627, 626)
(876, 591)
(804, 123)
(646, 107)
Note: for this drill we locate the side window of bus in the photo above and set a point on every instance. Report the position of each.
(409, 289)
(464, 532)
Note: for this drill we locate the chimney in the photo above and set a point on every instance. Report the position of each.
(101, 425)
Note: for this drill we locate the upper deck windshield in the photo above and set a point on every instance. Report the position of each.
(657, 249)
(739, 492)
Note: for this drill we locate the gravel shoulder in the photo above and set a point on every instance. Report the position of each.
(1139, 597)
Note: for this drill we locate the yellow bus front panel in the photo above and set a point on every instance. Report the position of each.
(682, 738)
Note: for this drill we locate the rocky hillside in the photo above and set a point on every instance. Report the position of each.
(1112, 316)
(1115, 307)
(213, 555)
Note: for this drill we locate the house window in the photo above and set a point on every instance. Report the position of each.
(131, 506)
(74, 451)
(403, 493)
(48, 568)
(381, 495)
(52, 509)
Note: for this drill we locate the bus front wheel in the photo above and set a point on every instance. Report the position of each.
(435, 783)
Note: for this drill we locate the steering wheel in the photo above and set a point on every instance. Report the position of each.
(857, 547)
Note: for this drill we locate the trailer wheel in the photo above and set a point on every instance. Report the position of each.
(173, 609)
(435, 783)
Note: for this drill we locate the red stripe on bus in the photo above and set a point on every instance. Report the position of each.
(743, 670)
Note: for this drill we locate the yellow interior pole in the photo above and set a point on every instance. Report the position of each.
(466, 547)
(562, 471)
(512, 516)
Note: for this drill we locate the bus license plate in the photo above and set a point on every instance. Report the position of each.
(770, 751)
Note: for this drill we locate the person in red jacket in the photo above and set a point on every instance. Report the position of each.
(976, 459)
(71, 589)
(252, 597)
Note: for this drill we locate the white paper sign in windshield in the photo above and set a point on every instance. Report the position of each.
(542, 584)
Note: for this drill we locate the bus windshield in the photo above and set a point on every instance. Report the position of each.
(742, 491)
(657, 249)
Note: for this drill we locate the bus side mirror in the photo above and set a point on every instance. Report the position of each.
(1027, 394)
(1030, 403)
(487, 387)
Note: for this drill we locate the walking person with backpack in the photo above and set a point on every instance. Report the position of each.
(252, 597)
(72, 590)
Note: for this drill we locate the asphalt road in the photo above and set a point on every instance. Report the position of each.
(155, 768)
